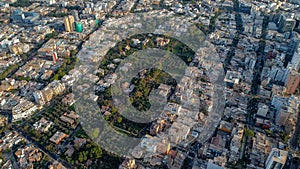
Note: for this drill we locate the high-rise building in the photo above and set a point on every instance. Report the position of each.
(54, 57)
(292, 82)
(245, 7)
(277, 73)
(69, 23)
(78, 27)
(287, 72)
(295, 1)
(278, 101)
(296, 60)
(293, 46)
(282, 116)
(276, 159)
(51, 2)
(54, 54)
(286, 24)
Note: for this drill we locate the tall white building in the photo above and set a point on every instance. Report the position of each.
(296, 60)
(287, 72)
(276, 159)
(51, 2)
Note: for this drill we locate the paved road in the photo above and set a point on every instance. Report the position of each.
(10, 156)
(295, 164)
(252, 104)
(216, 114)
(294, 141)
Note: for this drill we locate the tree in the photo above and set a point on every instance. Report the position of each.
(285, 137)
(119, 119)
(151, 44)
(82, 156)
(95, 152)
(74, 52)
(68, 61)
(204, 111)
(51, 35)
(120, 48)
(8, 70)
(114, 110)
(106, 118)
(249, 132)
(95, 133)
(189, 59)
(56, 77)
(201, 93)
(144, 47)
(269, 132)
(127, 42)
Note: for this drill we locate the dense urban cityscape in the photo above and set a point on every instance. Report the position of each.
(236, 105)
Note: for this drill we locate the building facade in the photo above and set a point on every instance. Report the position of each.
(292, 82)
(276, 159)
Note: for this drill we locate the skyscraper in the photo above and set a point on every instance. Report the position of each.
(54, 57)
(287, 72)
(293, 46)
(276, 159)
(69, 23)
(296, 60)
(78, 27)
(286, 24)
(292, 82)
(54, 54)
(51, 2)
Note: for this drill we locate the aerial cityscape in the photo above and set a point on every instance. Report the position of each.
(149, 84)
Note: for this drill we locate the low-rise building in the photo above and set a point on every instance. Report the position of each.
(67, 120)
(178, 132)
(42, 125)
(232, 78)
(3, 120)
(27, 156)
(22, 110)
(58, 137)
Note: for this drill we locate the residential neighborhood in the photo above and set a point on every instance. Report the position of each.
(135, 84)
